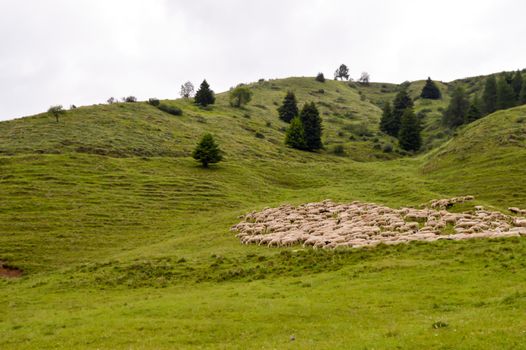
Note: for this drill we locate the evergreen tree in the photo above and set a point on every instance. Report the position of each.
(310, 118)
(409, 137)
(490, 95)
(289, 109)
(204, 96)
(320, 77)
(295, 136)
(401, 102)
(207, 151)
(522, 95)
(517, 83)
(505, 94)
(387, 118)
(430, 90)
(474, 112)
(456, 113)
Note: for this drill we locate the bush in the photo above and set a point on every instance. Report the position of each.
(320, 77)
(259, 135)
(130, 99)
(338, 150)
(154, 101)
(170, 109)
(388, 148)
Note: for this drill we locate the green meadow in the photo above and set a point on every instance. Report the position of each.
(124, 240)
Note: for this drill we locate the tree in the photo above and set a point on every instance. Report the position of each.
(207, 151)
(474, 112)
(430, 90)
(320, 77)
(401, 102)
(505, 94)
(522, 95)
(289, 109)
(517, 83)
(409, 137)
(130, 99)
(56, 111)
(240, 96)
(310, 118)
(111, 100)
(387, 118)
(364, 78)
(490, 95)
(342, 72)
(204, 96)
(187, 90)
(456, 112)
(295, 136)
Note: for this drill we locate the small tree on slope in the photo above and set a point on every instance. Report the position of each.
(295, 136)
(409, 137)
(289, 109)
(204, 96)
(310, 118)
(207, 151)
(430, 90)
(56, 111)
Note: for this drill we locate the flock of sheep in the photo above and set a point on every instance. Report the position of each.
(329, 225)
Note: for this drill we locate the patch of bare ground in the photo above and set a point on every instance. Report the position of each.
(9, 271)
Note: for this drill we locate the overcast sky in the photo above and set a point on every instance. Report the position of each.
(84, 51)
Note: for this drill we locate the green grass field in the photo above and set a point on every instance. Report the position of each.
(125, 244)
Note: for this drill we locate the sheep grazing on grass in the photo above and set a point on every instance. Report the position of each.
(328, 225)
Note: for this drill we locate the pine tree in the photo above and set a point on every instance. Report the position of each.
(310, 118)
(490, 95)
(474, 112)
(204, 96)
(522, 95)
(387, 118)
(430, 90)
(207, 151)
(409, 137)
(505, 94)
(295, 136)
(401, 102)
(456, 113)
(289, 109)
(517, 84)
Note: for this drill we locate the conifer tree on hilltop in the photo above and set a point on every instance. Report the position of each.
(490, 95)
(289, 109)
(310, 118)
(522, 95)
(505, 94)
(430, 90)
(207, 151)
(474, 111)
(409, 137)
(204, 96)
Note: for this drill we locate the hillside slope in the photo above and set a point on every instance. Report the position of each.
(125, 242)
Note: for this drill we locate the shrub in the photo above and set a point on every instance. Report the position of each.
(240, 96)
(338, 150)
(259, 135)
(130, 99)
(320, 77)
(154, 101)
(268, 124)
(170, 109)
(388, 148)
(321, 91)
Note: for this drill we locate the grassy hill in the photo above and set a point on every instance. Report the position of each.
(124, 241)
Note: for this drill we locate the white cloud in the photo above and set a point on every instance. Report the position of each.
(82, 52)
